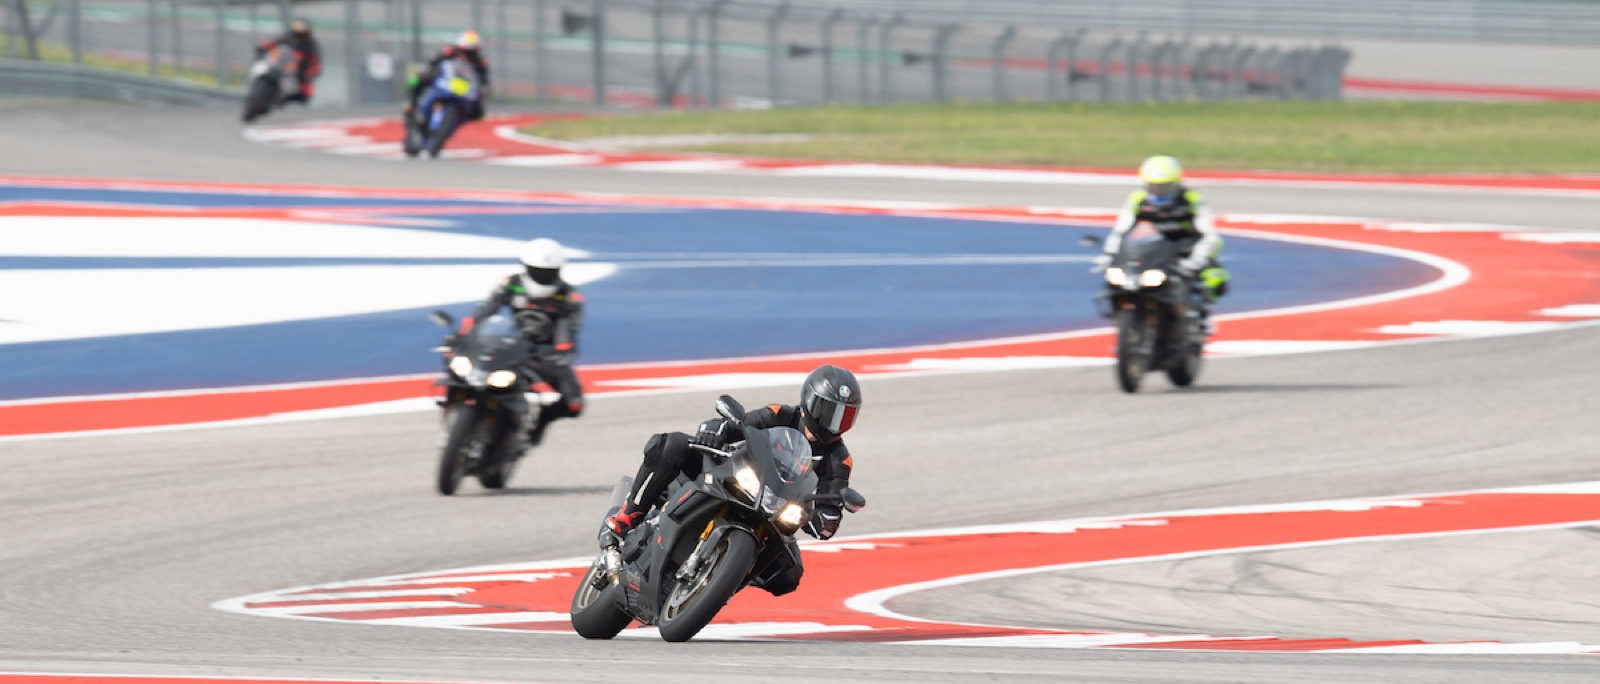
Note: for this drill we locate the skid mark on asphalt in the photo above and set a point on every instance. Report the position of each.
(839, 602)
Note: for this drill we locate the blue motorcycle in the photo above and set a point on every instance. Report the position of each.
(451, 97)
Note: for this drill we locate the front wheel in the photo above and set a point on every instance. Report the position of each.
(260, 98)
(1130, 349)
(465, 426)
(597, 613)
(447, 126)
(694, 602)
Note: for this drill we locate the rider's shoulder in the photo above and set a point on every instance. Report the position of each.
(1193, 196)
(1137, 197)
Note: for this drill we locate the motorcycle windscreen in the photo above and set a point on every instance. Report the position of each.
(791, 453)
(1145, 246)
(497, 334)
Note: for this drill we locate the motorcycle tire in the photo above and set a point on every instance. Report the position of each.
(1187, 368)
(465, 424)
(597, 613)
(412, 145)
(259, 100)
(692, 603)
(1130, 337)
(496, 475)
(447, 127)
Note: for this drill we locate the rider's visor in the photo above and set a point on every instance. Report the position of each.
(544, 276)
(1161, 192)
(834, 416)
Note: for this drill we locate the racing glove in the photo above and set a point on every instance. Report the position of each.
(1193, 264)
(716, 432)
(1101, 263)
(824, 522)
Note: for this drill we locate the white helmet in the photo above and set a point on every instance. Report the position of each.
(542, 260)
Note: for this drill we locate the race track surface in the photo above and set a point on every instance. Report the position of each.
(116, 547)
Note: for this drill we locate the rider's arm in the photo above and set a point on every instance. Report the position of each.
(496, 299)
(1210, 243)
(311, 66)
(565, 337)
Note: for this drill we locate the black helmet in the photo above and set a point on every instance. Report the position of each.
(830, 400)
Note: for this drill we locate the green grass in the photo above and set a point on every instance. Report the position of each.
(1401, 137)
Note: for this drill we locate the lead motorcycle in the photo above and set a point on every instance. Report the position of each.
(269, 79)
(1156, 307)
(730, 528)
(486, 410)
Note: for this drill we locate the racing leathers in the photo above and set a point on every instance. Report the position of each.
(668, 455)
(308, 64)
(473, 58)
(1184, 218)
(552, 323)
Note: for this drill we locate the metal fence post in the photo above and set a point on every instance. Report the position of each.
(75, 30)
(1180, 80)
(1240, 78)
(713, 56)
(941, 61)
(1052, 67)
(11, 30)
(1158, 58)
(885, 76)
(501, 51)
(1105, 67)
(827, 54)
(221, 46)
(597, 47)
(477, 15)
(1136, 52)
(998, 51)
(352, 50)
(658, 58)
(177, 36)
(541, 74)
(863, 49)
(774, 74)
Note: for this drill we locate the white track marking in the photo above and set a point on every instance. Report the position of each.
(1472, 328)
(1574, 311)
(1555, 238)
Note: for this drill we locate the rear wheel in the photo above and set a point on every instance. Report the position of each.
(597, 613)
(1130, 343)
(447, 127)
(693, 602)
(467, 429)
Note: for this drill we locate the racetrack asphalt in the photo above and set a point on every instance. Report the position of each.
(115, 547)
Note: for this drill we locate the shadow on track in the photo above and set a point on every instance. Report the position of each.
(1318, 387)
(539, 491)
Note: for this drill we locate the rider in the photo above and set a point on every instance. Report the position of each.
(1180, 214)
(549, 312)
(466, 47)
(308, 58)
(830, 398)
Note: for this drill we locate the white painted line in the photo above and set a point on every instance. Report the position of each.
(1574, 311)
(1471, 328)
(470, 619)
(683, 165)
(1271, 347)
(364, 149)
(1555, 238)
(542, 160)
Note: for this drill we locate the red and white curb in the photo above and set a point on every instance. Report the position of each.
(1491, 280)
(497, 141)
(837, 601)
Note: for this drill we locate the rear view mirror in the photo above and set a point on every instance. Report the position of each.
(442, 319)
(1090, 240)
(853, 500)
(730, 408)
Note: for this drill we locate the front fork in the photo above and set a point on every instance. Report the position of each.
(691, 565)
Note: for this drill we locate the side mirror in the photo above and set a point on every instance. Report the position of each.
(1090, 240)
(442, 318)
(853, 500)
(730, 408)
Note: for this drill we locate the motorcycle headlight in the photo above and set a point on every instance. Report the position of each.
(461, 366)
(745, 478)
(1116, 276)
(771, 502)
(502, 379)
(1152, 278)
(790, 516)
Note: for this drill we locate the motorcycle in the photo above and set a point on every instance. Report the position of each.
(269, 77)
(730, 528)
(486, 410)
(441, 108)
(1156, 306)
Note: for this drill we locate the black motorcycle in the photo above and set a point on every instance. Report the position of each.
(486, 408)
(730, 528)
(270, 77)
(1156, 307)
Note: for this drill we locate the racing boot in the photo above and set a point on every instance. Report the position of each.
(619, 525)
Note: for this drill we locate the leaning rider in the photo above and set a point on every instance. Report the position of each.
(830, 398)
(1180, 215)
(308, 59)
(549, 313)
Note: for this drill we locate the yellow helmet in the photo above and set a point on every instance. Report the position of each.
(1160, 171)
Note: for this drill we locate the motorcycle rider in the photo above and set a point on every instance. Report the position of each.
(1181, 215)
(308, 59)
(549, 313)
(466, 47)
(830, 398)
